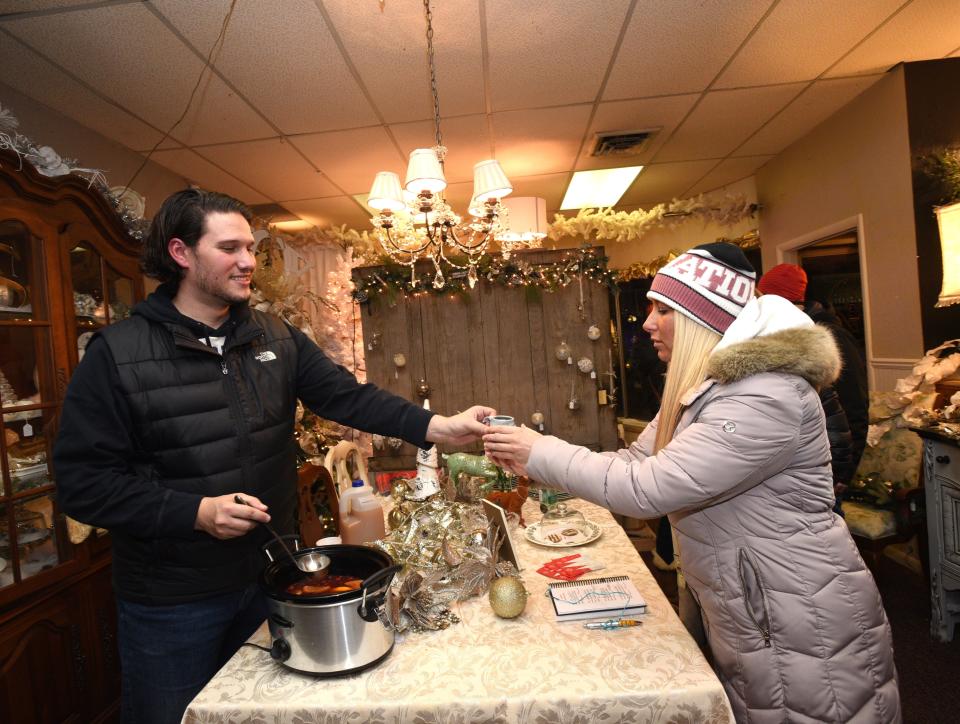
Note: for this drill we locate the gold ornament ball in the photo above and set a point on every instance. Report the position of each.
(508, 597)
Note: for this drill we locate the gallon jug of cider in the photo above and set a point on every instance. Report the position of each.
(361, 515)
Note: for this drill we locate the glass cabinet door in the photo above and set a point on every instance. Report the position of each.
(101, 294)
(31, 530)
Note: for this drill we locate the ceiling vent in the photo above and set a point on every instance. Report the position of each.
(621, 143)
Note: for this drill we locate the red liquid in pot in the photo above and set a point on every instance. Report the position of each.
(323, 585)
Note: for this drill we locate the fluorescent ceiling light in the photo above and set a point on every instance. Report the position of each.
(598, 189)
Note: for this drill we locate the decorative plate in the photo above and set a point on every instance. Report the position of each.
(556, 535)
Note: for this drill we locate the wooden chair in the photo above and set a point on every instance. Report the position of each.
(345, 463)
(312, 528)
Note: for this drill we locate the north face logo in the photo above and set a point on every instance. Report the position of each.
(265, 356)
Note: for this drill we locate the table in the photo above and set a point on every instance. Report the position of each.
(487, 669)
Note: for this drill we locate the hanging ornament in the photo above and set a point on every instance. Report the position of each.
(593, 332)
(537, 419)
(472, 276)
(585, 365)
(395, 443)
(423, 389)
(508, 597)
(573, 403)
(374, 340)
(564, 353)
(580, 307)
(378, 441)
(400, 360)
(438, 280)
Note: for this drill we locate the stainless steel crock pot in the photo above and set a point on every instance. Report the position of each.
(332, 634)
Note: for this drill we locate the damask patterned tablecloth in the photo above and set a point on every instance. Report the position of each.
(486, 669)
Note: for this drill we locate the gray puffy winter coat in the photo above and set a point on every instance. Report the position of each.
(793, 617)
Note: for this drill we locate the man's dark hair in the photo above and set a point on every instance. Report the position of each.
(183, 215)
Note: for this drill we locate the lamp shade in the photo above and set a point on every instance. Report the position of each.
(527, 219)
(386, 194)
(424, 172)
(489, 181)
(948, 219)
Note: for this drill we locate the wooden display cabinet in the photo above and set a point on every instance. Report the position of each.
(67, 268)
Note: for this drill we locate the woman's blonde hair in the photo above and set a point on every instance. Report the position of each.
(687, 369)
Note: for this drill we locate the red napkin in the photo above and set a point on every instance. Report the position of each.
(569, 568)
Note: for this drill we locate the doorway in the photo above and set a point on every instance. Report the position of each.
(833, 279)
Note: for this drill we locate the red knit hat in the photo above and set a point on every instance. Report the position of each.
(785, 280)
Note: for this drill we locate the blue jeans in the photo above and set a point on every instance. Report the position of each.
(169, 653)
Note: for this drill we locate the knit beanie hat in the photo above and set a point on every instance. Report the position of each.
(710, 284)
(785, 280)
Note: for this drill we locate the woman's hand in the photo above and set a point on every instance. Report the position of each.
(509, 447)
(459, 429)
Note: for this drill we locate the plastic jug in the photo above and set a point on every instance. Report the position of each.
(361, 515)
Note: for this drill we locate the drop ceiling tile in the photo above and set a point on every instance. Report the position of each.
(128, 55)
(800, 39)
(817, 103)
(466, 138)
(728, 171)
(679, 46)
(661, 182)
(924, 29)
(333, 211)
(22, 6)
(352, 158)
(723, 120)
(539, 141)
(27, 72)
(388, 47)
(200, 171)
(279, 171)
(275, 55)
(649, 113)
(550, 53)
(549, 187)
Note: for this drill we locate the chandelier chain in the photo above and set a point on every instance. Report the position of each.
(433, 75)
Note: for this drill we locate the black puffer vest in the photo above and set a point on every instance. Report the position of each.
(208, 425)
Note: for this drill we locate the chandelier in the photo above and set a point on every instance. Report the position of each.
(415, 222)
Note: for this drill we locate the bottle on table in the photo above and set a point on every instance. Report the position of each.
(361, 515)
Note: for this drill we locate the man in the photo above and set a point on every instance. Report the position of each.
(176, 410)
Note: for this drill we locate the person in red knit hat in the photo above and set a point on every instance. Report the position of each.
(846, 404)
(785, 280)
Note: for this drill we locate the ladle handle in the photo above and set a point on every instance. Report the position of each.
(240, 501)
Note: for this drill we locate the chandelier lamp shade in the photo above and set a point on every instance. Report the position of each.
(948, 221)
(523, 225)
(415, 222)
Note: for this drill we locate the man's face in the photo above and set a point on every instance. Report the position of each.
(220, 267)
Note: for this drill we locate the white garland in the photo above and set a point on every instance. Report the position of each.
(50, 163)
(623, 226)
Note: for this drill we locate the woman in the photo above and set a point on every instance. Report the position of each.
(738, 458)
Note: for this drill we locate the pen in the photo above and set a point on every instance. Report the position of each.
(613, 623)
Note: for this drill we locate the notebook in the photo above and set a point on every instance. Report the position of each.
(608, 597)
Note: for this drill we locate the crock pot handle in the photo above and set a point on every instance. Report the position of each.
(385, 574)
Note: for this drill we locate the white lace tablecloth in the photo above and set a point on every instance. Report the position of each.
(488, 669)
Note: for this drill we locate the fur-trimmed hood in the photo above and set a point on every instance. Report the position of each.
(809, 352)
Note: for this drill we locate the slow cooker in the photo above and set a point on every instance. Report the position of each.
(332, 634)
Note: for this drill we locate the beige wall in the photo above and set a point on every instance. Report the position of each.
(856, 166)
(46, 127)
